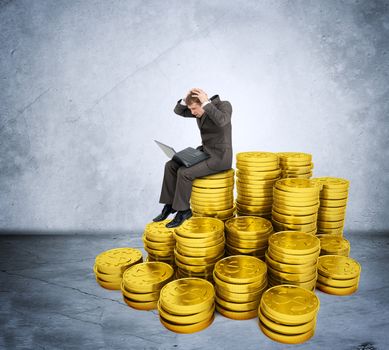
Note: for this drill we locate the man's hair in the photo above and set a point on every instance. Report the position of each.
(189, 99)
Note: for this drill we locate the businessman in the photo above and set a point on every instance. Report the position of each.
(213, 118)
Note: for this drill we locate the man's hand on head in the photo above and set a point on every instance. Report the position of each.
(200, 94)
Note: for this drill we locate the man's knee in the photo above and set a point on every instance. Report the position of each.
(171, 164)
(184, 173)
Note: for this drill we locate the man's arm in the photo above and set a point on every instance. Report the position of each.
(220, 116)
(182, 109)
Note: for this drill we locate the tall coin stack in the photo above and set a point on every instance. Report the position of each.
(287, 314)
(295, 205)
(187, 305)
(247, 235)
(333, 202)
(213, 195)
(292, 259)
(159, 242)
(257, 172)
(240, 281)
(295, 165)
(333, 245)
(338, 275)
(199, 245)
(142, 283)
(110, 265)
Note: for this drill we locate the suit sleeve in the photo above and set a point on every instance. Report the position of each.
(183, 111)
(220, 116)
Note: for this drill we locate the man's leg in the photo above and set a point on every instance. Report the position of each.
(185, 177)
(169, 182)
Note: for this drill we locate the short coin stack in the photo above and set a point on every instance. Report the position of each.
(333, 202)
(257, 172)
(338, 274)
(187, 305)
(248, 235)
(333, 245)
(142, 283)
(213, 195)
(292, 259)
(110, 265)
(295, 165)
(287, 314)
(240, 281)
(199, 245)
(159, 242)
(296, 205)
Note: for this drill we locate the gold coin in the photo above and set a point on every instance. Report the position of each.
(108, 285)
(240, 269)
(338, 267)
(295, 156)
(285, 329)
(257, 157)
(158, 245)
(212, 201)
(327, 194)
(291, 268)
(294, 242)
(187, 328)
(294, 227)
(211, 207)
(333, 203)
(201, 252)
(336, 283)
(247, 244)
(331, 231)
(196, 268)
(330, 224)
(292, 258)
(323, 217)
(258, 252)
(298, 185)
(283, 201)
(238, 297)
(199, 227)
(237, 315)
(117, 260)
(241, 287)
(333, 183)
(187, 319)
(294, 211)
(141, 297)
(140, 305)
(159, 232)
(198, 260)
(147, 277)
(213, 240)
(264, 201)
(221, 175)
(237, 306)
(156, 252)
(107, 277)
(336, 290)
(294, 219)
(335, 244)
(292, 277)
(217, 183)
(217, 213)
(187, 296)
(216, 191)
(290, 305)
(310, 285)
(258, 175)
(286, 338)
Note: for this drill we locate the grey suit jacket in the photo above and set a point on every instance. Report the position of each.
(215, 129)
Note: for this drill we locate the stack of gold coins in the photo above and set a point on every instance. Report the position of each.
(199, 245)
(142, 283)
(159, 242)
(338, 274)
(240, 281)
(333, 202)
(110, 265)
(292, 259)
(257, 172)
(295, 205)
(287, 314)
(247, 235)
(295, 165)
(333, 245)
(187, 305)
(213, 195)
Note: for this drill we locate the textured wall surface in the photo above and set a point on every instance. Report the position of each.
(85, 87)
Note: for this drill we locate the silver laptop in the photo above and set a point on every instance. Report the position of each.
(187, 157)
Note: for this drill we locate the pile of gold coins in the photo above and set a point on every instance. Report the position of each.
(295, 165)
(292, 259)
(295, 205)
(142, 283)
(159, 242)
(338, 275)
(333, 202)
(256, 174)
(333, 245)
(247, 235)
(110, 265)
(240, 281)
(200, 244)
(213, 195)
(187, 305)
(288, 314)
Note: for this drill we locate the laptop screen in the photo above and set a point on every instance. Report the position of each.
(169, 151)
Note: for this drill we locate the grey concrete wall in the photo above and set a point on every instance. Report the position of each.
(87, 85)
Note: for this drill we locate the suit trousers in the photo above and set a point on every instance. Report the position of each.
(177, 182)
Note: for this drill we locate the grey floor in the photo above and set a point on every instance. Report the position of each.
(50, 300)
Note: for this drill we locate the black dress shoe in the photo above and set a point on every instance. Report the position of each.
(167, 209)
(180, 217)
